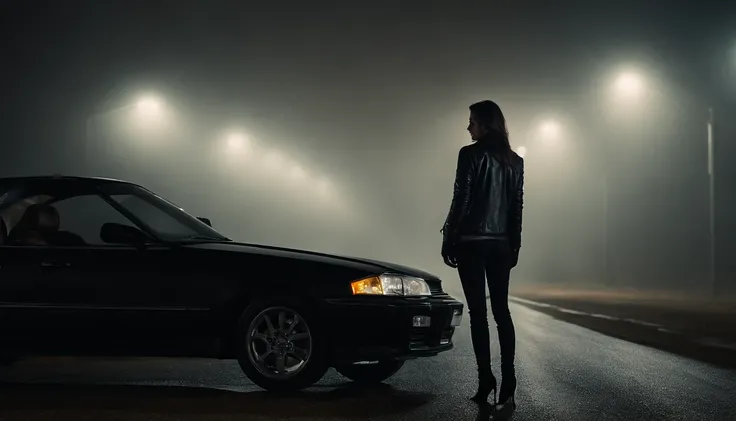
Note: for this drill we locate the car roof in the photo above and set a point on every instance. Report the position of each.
(62, 179)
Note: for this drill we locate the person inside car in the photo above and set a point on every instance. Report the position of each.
(36, 225)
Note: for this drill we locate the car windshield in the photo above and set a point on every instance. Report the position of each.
(162, 218)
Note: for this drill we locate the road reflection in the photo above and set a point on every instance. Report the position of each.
(344, 402)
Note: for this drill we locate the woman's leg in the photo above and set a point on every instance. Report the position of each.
(498, 272)
(471, 268)
(471, 259)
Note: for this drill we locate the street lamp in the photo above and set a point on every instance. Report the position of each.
(149, 107)
(550, 130)
(547, 131)
(237, 141)
(711, 204)
(631, 85)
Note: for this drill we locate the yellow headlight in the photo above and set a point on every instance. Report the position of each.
(370, 285)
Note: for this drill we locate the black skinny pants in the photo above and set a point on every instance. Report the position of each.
(479, 260)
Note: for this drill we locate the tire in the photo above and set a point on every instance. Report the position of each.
(370, 373)
(301, 346)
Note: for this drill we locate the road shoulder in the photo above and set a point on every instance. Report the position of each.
(705, 333)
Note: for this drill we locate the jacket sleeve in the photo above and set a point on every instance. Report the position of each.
(460, 195)
(516, 209)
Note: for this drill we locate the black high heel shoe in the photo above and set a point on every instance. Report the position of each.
(486, 386)
(506, 400)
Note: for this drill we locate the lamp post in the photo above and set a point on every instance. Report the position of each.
(711, 205)
(632, 85)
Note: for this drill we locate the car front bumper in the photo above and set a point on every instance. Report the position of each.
(372, 328)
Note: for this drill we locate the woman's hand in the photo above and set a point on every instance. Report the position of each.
(514, 258)
(449, 254)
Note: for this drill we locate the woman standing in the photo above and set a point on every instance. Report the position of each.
(482, 238)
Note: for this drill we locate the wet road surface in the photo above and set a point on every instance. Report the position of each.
(565, 372)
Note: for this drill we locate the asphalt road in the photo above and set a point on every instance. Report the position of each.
(565, 372)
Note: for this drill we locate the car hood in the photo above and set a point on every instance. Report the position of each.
(395, 267)
(369, 265)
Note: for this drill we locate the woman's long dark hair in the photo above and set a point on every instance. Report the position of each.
(489, 114)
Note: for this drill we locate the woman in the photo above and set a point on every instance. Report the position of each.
(482, 238)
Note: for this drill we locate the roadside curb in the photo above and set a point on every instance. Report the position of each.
(709, 342)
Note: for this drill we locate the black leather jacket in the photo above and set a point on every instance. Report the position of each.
(488, 197)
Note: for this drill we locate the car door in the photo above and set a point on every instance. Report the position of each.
(115, 299)
(21, 312)
(112, 297)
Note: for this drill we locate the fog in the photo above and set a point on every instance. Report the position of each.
(336, 128)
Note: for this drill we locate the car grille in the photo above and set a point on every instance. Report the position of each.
(421, 337)
(418, 338)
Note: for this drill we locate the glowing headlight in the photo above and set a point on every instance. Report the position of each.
(390, 284)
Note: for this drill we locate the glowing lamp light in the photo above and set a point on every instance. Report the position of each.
(550, 129)
(629, 84)
(237, 141)
(149, 105)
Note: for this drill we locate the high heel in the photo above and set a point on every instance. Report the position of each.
(486, 386)
(509, 403)
(506, 399)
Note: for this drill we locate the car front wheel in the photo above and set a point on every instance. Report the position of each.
(281, 346)
(370, 373)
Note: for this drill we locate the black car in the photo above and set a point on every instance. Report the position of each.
(92, 266)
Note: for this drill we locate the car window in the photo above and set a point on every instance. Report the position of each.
(85, 215)
(13, 206)
(165, 220)
(164, 225)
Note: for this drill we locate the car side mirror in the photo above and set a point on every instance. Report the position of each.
(112, 233)
(205, 220)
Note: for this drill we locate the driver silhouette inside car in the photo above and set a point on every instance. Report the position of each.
(38, 224)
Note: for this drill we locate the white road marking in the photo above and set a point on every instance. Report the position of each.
(711, 342)
(596, 315)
